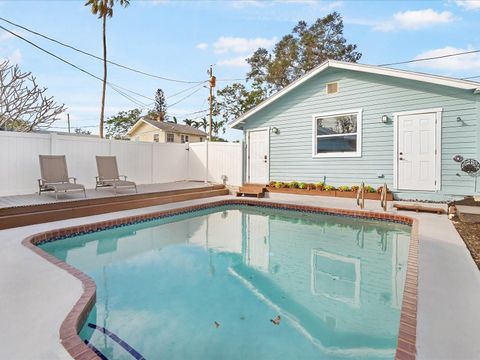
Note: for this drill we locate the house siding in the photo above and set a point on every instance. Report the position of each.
(146, 132)
(377, 95)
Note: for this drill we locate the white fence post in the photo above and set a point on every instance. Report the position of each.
(206, 161)
(53, 143)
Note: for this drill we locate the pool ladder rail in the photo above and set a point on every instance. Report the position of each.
(361, 196)
(383, 196)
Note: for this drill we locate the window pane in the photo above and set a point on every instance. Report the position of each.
(337, 125)
(347, 143)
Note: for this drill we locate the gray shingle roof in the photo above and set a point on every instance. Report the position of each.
(180, 128)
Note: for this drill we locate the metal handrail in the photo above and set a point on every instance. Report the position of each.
(383, 197)
(361, 196)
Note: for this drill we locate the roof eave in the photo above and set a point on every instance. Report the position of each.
(409, 75)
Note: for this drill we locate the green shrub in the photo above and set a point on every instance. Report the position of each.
(302, 185)
(344, 188)
(369, 189)
(354, 188)
(329, 188)
(319, 185)
(293, 185)
(278, 184)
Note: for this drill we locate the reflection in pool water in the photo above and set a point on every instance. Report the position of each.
(206, 285)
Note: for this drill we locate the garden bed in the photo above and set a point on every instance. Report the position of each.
(470, 234)
(331, 193)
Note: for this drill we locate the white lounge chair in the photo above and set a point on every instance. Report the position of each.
(108, 175)
(54, 172)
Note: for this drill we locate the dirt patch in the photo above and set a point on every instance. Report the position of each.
(470, 234)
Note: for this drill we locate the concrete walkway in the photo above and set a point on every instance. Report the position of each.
(35, 295)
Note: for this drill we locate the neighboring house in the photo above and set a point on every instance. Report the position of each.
(165, 132)
(347, 123)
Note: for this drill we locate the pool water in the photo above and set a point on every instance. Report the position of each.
(243, 282)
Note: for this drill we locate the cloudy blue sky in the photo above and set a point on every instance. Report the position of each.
(180, 39)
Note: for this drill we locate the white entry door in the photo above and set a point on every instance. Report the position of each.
(258, 156)
(416, 152)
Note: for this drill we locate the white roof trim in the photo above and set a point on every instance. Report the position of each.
(372, 69)
(137, 124)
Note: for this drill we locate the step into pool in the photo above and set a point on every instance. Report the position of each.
(243, 282)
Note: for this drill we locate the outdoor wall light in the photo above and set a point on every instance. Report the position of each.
(275, 130)
(385, 119)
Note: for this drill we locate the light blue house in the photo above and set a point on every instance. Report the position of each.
(347, 123)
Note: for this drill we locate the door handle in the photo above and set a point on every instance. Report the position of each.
(265, 157)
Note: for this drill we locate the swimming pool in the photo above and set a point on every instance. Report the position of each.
(242, 282)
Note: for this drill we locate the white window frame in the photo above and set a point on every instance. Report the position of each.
(156, 137)
(357, 153)
(355, 300)
(166, 137)
(182, 139)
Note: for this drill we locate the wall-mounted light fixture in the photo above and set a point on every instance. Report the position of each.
(385, 119)
(275, 130)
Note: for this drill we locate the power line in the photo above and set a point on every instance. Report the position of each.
(184, 98)
(111, 85)
(431, 58)
(185, 90)
(98, 57)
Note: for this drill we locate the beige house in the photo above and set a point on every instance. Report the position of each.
(164, 132)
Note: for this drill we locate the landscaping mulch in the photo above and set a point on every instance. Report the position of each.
(470, 234)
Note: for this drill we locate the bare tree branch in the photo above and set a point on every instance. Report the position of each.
(24, 105)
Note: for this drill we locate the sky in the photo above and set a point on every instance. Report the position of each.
(179, 40)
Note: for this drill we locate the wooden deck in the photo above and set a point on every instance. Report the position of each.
(35, 209)
(49, 197)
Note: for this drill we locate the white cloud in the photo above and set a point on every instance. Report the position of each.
(238, 62)
(15, 57)
(202, 46)
(453, 63)
(469, 4)
(242, 4)
(415, 19)
(239, 45)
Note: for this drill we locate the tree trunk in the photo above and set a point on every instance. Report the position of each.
(104, 88)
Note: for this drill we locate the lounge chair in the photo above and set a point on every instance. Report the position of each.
(54, 172)
(108, 175)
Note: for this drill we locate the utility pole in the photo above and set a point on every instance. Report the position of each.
(68, 120)
(212, 85)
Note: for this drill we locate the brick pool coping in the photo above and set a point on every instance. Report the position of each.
(72, 324)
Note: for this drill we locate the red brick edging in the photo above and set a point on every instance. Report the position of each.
(72, 324)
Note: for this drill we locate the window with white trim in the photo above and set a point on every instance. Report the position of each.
(170, 138)
(156, 137)
(182, 139)
(337, 134)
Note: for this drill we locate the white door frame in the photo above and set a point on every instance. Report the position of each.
(247, 134)
(438, 144)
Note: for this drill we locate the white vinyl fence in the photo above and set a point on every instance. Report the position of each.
(142, 162)
(218, 162)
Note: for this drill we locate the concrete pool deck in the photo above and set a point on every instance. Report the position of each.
(36, 296)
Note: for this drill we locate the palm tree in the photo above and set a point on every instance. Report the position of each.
(104, 9)
(202, 124)
(189, 122)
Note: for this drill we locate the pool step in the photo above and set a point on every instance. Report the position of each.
(36, 214)
(257, 190)
(419, 208)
